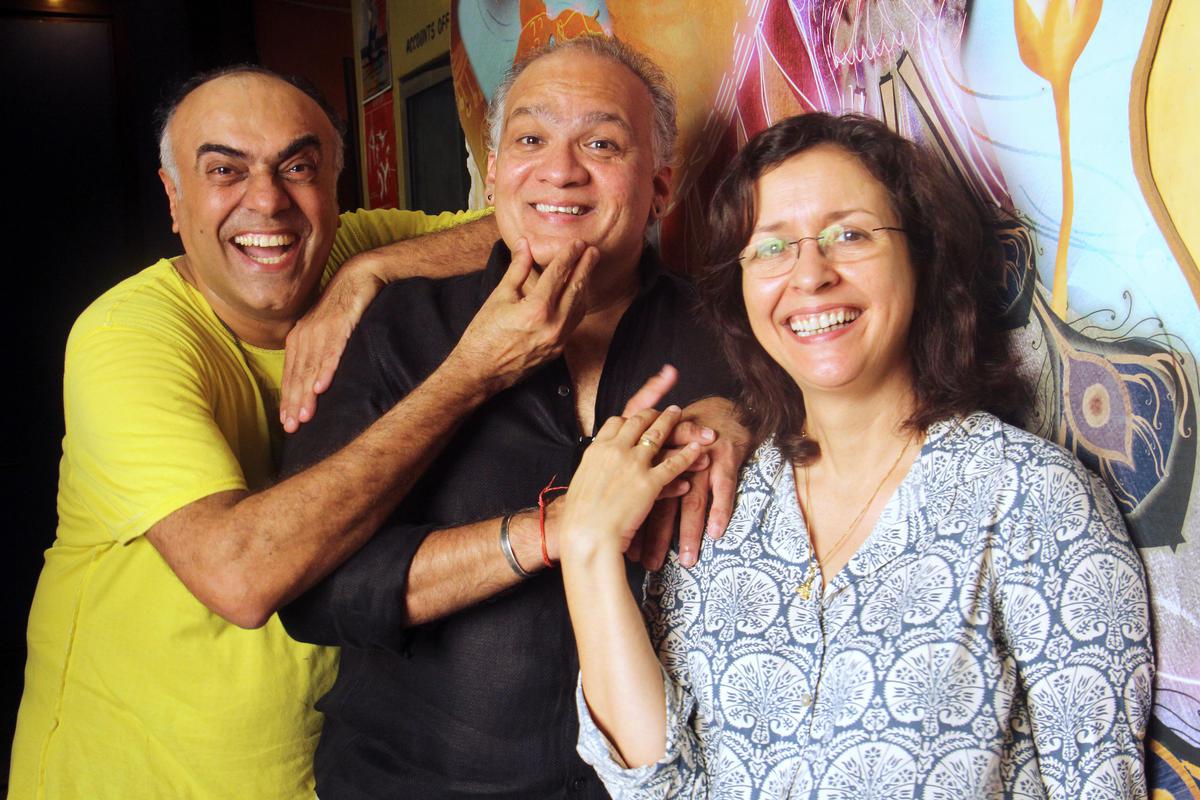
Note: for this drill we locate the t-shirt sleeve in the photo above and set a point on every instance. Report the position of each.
(141, 438)
(361, 231)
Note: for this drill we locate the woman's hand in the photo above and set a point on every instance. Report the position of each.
(618, 481)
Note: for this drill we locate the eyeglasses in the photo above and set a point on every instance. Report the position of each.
(840, 244)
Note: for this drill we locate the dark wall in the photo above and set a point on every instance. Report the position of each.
(79, 83)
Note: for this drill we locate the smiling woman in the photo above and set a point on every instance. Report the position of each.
(904, 602)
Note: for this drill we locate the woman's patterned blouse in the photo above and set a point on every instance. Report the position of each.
(991, 638)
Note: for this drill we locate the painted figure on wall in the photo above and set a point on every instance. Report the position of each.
(1030, 101)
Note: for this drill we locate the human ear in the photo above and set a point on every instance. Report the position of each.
(489, 181)
(172, 198)
(661, 194)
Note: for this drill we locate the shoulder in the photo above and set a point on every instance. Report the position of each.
(154, 308)
(411, 302)
(401, 223)
(414, 323)
(760, 484)
(1039, 488)
(762, 468)
(981, 443)
(677, 290)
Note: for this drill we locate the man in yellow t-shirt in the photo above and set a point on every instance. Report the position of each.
(157, 667)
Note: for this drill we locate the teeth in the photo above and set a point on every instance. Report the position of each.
(824, 322)
(264, 240)
(546, 208)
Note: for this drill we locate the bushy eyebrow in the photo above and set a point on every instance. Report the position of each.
(542, 112)
(297, 145)
(219, 149)
(604, 116)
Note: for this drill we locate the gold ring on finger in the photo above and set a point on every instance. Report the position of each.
(646, 441)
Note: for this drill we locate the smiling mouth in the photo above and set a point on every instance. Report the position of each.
(804, 325)
(265, 248)
(574, 211)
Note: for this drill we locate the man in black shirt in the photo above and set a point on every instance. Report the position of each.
(458, 667)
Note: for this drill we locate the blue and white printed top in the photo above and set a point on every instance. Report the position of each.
(991, 638)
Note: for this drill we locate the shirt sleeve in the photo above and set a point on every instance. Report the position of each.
(142, 441)
(681, 771)
(361, 603)
(361, 231)
(1075, 612)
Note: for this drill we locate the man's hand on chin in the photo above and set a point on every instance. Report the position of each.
(527, 319)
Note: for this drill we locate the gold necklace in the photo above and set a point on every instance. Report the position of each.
(805, 587)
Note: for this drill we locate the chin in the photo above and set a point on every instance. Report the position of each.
(545, 250)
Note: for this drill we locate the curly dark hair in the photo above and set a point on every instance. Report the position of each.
(962, 359)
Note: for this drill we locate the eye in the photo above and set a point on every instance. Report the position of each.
(222, 173)
(838, 234)
(768, 249)
(529, 140)
(601, 144)
(300, 171)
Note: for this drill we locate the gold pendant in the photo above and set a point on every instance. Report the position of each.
(805, 588)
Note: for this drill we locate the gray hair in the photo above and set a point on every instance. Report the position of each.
(166, 112)
(662, 94)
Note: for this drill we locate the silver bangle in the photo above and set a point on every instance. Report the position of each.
(506, 547)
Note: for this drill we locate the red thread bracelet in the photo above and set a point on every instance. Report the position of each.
(550, 487)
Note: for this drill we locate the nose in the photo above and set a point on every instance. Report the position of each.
(266, 194)
(560, 165)
(812, 271)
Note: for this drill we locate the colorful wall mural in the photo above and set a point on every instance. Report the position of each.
(1041, 107)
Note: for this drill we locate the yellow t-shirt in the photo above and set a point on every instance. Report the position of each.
(133, 689)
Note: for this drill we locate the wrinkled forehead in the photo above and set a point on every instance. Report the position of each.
(577, 87)
(248, 108)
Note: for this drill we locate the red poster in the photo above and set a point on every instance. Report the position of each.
(379, 128)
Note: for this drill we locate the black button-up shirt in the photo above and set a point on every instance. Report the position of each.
(481, 703)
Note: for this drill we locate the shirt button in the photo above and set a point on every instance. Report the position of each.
(806, 699)
(564, 390)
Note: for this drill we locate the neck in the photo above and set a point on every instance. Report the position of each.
(268, 334)
(613, 285)
(853, 431)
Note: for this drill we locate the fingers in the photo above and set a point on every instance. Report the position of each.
(296, 396)
(691, 518)
(555, 279)
(691, 431)
(609, 429)
(519, 268)
(652, 392)
(649, 429)
(573, 295)
(703, 462)
(325, 374)
(657, 533)
(723, 480)
(288, 391)
(634, 551)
